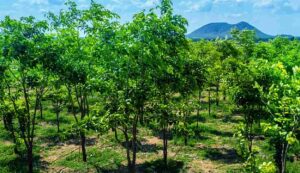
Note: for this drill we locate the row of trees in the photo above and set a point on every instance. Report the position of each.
(142, 72)
(77, 55)
(263, 86)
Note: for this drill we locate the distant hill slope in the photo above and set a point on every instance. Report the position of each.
(222, 30)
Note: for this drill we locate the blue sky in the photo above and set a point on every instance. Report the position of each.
(270, 16)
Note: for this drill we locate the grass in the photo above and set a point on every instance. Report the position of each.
(100, 160)
(213, 150)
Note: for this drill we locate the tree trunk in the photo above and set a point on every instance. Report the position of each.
(83, 144)
(116, 133)
(16, 151)
(250, 136)
(217, 94)
(30, 158)
(129, 165)
(284, 150)
(134, 143)
(142, 121)
(198, 117)
(41, 109)
(185, 126)
(165, 135)
(57, 121)
(165, 147)
(198, 111)
(209, 104)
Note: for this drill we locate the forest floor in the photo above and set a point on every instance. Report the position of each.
(213, 151)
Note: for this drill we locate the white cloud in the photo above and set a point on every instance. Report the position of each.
(144, 3)
(126, 4)
(35, 2)
(286, 6)
(192, 6)
(263, 3)
(151, 3)
(293, 4)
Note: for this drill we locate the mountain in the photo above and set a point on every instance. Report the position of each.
(222, 30)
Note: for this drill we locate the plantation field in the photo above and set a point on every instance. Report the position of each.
(83, 92)
(213, 151)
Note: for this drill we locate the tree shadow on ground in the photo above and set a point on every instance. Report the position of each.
(201, 137)
(221, 133)
(76, 141)
(143, 147)
(156, 166)
(56, 140)
(213, 131)
(121, 169)
(225, 155)
(19, 164)
(195, 118)
(232, 119)
(159, 134)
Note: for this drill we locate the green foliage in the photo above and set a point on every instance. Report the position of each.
(267, 167)
(88, 73)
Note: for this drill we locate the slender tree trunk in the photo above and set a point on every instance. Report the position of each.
(224, 95)
(41, 109)
(198, 110)
(250, 137)
(142, 121)
(165, 146)
(16, 151)
(282, 166)
(5, 122)
(209, 102)
(83, 146)
(82, 103)
(116, 133)
(217, 94)
(134, 143)
(30, 158)
(198, 117)
(129, 163)
(72, 102)
(57, 121)
(185, 126)
(165, 135)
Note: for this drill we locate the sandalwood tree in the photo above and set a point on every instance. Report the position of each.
(24, 76)
(170, 31)
(82, 35)
(282, 100)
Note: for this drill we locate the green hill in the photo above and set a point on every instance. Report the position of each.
(222, 30)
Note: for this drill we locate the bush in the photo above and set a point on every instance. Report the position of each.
(267, 167)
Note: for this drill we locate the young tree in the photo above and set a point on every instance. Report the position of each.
(24, 76)
(78, 35)
(191, 80)
(58, 97)
(200, 52)
(143, 71)
(283, 102)
(171, 33)
(207, 55)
